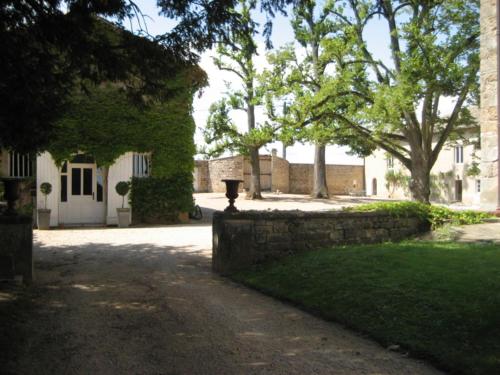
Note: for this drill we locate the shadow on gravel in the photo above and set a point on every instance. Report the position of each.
(90, 294)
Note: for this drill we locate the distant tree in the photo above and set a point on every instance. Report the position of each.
(236, 56)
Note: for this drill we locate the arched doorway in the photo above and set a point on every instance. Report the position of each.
(374, 186)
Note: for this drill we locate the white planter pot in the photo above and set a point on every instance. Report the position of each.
(123, 215)
(43, 218)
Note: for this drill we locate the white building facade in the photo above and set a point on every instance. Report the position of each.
(82, 192)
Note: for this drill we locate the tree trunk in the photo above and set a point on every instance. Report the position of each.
(320, 189)
(254, 192)
(420, 181)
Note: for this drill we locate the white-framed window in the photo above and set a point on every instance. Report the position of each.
(478, 186)
(20, 165)
(459, 154)
(390, 162)
(141, 165)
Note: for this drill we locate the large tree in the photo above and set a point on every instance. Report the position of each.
(434, 47)
(51, 46)
(300, 77)
(236, 55)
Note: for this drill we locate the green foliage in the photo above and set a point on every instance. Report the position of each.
(122, 188)
(396, 179)
(368, 103)
(316, 92)
(236, 56)
(25, 210)
(438, 301)
(436, 215)
(46, 188)
(473, 170)
(160, 199)
(102, 123)
(49, 50)
(398, 209)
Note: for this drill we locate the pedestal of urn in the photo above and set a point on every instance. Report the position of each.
(231, 193)
(11, 194)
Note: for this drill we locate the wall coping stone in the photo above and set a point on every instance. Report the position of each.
(291, 214)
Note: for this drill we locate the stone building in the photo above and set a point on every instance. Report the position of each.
(490, 195)
(276, 174)
(452, 177)
(483, 190)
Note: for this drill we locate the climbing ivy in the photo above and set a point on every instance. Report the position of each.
(105, 124)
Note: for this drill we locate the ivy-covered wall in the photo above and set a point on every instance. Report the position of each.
(105, 123)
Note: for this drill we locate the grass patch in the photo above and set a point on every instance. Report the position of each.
(439, 301)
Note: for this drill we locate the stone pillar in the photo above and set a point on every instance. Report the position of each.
(16, 239)
(489, 107)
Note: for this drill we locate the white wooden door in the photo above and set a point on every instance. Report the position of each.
(82, 198)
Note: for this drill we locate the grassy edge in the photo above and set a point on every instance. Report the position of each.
(403, 350)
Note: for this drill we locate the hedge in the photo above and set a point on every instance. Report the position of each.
(159, 200)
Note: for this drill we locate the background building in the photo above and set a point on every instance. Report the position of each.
(489, 105)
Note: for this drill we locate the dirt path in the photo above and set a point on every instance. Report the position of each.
(144, 301)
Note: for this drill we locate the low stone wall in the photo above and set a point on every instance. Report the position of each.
(246, 238)
(16, 249)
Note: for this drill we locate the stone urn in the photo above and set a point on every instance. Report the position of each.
(11, 194)
(231, 193)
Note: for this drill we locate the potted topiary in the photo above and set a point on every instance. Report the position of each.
(122, 213)
(44, 213)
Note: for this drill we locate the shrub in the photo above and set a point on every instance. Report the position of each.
(436, 215)
(122, 189)
(45, 189)
(161, 199)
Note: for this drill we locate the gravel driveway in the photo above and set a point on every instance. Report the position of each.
(144, 301)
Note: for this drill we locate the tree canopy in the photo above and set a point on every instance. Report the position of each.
(49, 47)
(396, 104)
(102, 123)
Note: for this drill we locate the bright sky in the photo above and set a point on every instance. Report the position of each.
(377, 39)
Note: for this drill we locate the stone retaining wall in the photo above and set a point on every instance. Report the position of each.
(16, 247)
(251, 237)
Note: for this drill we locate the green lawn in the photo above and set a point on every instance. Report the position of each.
(439, 301)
